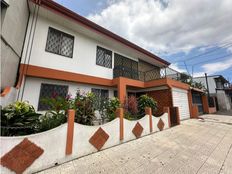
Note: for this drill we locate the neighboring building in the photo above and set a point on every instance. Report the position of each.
(217, 87)
(65, 52)
(14, 18)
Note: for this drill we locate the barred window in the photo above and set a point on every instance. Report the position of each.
(101, 95)
(50, 90)
(60, 43)
(104, 57)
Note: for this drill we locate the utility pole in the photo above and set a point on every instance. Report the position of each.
(206, 79)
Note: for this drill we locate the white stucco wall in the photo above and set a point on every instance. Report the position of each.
(33, 85)
(211, 83)
(9, 98)
(155, 121)
(223, 100)
(84, 52)
(53, 142)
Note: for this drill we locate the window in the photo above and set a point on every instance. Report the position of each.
(60, 43)
(49, 90)
(101, 95)
(115, 93)
(104, 57)
(125, 67)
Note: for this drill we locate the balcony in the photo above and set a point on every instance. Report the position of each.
(153, 74)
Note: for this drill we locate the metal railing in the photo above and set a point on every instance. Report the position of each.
(153, 74)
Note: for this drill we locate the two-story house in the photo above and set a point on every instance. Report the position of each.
(217, 87)
(65, 52)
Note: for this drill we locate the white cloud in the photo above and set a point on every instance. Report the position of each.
(168, 25)
(212, 68)
(177, 68)
(216, 67)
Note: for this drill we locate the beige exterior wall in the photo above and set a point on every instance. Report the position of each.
(14, 23)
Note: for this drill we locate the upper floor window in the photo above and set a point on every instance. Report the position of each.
(60, 43)
(50, 90)
(104, 57)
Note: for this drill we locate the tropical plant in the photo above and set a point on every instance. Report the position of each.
(132, 105)
(130, 116)
(195, 84)
(111, 108)
(146, 101)
(19, 118)
(84, 106)
(51, 120)
(131, 108)
(58, 104)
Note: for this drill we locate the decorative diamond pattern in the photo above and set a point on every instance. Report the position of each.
(99, 138)
(21, 156)
(138, 129)
(160, 124)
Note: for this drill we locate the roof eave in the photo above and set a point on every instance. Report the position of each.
(49, 4)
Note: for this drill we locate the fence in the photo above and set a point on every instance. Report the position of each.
(153, 74)
(71, 140)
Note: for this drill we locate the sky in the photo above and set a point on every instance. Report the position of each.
(195, 36)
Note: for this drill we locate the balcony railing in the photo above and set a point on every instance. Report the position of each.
(122, 71)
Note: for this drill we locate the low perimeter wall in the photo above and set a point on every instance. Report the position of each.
(71, 140)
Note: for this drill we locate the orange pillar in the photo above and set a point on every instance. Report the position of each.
(190, 102)
(121, 91)
(148, 112)
(70, 131)
(205, 104)
(119, 113)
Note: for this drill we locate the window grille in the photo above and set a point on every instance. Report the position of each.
(50, 90)
(101, 95)
(125, 67)
(104, 57)
(60, 43)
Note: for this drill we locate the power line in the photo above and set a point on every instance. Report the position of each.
(227, 45)
(222, 57)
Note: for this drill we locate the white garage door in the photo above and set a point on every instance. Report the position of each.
(180, 99)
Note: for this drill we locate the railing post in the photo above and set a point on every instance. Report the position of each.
(119, 113)
(70, 131)
(148, 112)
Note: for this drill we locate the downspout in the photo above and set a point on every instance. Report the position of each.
(30, 39)
(24, 40)
(206, 79)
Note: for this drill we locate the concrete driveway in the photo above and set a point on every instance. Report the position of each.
(195, 146)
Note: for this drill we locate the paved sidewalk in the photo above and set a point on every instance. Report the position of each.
(195, 146)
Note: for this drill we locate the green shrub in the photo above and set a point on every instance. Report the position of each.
(146, 101)
(58, 104)
(111, 108)
(19, 118)
(51, 120)
(130, 116)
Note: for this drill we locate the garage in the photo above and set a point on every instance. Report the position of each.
(180, 100)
